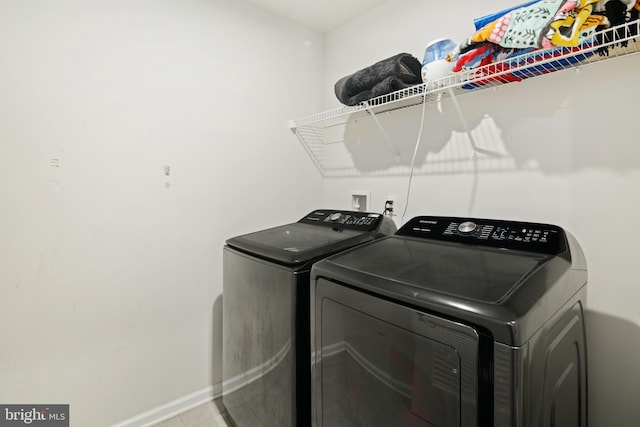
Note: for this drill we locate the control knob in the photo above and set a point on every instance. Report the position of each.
(467, 227)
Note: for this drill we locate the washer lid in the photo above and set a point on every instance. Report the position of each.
(317, 235)
(418, 268)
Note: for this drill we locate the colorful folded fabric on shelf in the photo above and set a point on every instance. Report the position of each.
(616, 13)
(541, 37)
(389, 75)
(484, 20)
(543, 24)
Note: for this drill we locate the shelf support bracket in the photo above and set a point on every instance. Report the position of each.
(472, 141)
(386, 138)
(463, 120)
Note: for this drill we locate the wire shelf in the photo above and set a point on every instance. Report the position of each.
(323, 134)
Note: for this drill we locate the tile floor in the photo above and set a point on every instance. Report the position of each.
(208, 414)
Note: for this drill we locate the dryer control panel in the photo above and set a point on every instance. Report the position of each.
(526, 236)
(352, 220)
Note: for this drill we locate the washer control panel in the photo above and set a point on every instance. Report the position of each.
(534, 237)
(352, 220)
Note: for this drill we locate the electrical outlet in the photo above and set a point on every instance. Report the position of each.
(360, 201)
(391, 207)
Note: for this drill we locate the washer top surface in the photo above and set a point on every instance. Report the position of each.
(414, 267)
(472, 259)
(318, 234)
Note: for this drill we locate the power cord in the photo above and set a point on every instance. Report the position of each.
(415, 153)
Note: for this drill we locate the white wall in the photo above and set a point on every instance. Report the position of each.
(110, 271)
(572, 159)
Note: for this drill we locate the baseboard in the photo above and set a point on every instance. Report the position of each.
(183, 404)
(171, 409)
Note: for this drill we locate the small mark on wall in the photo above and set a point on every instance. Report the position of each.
(55, 164)
(167, 173)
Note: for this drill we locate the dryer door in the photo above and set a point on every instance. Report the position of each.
(379, 363)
